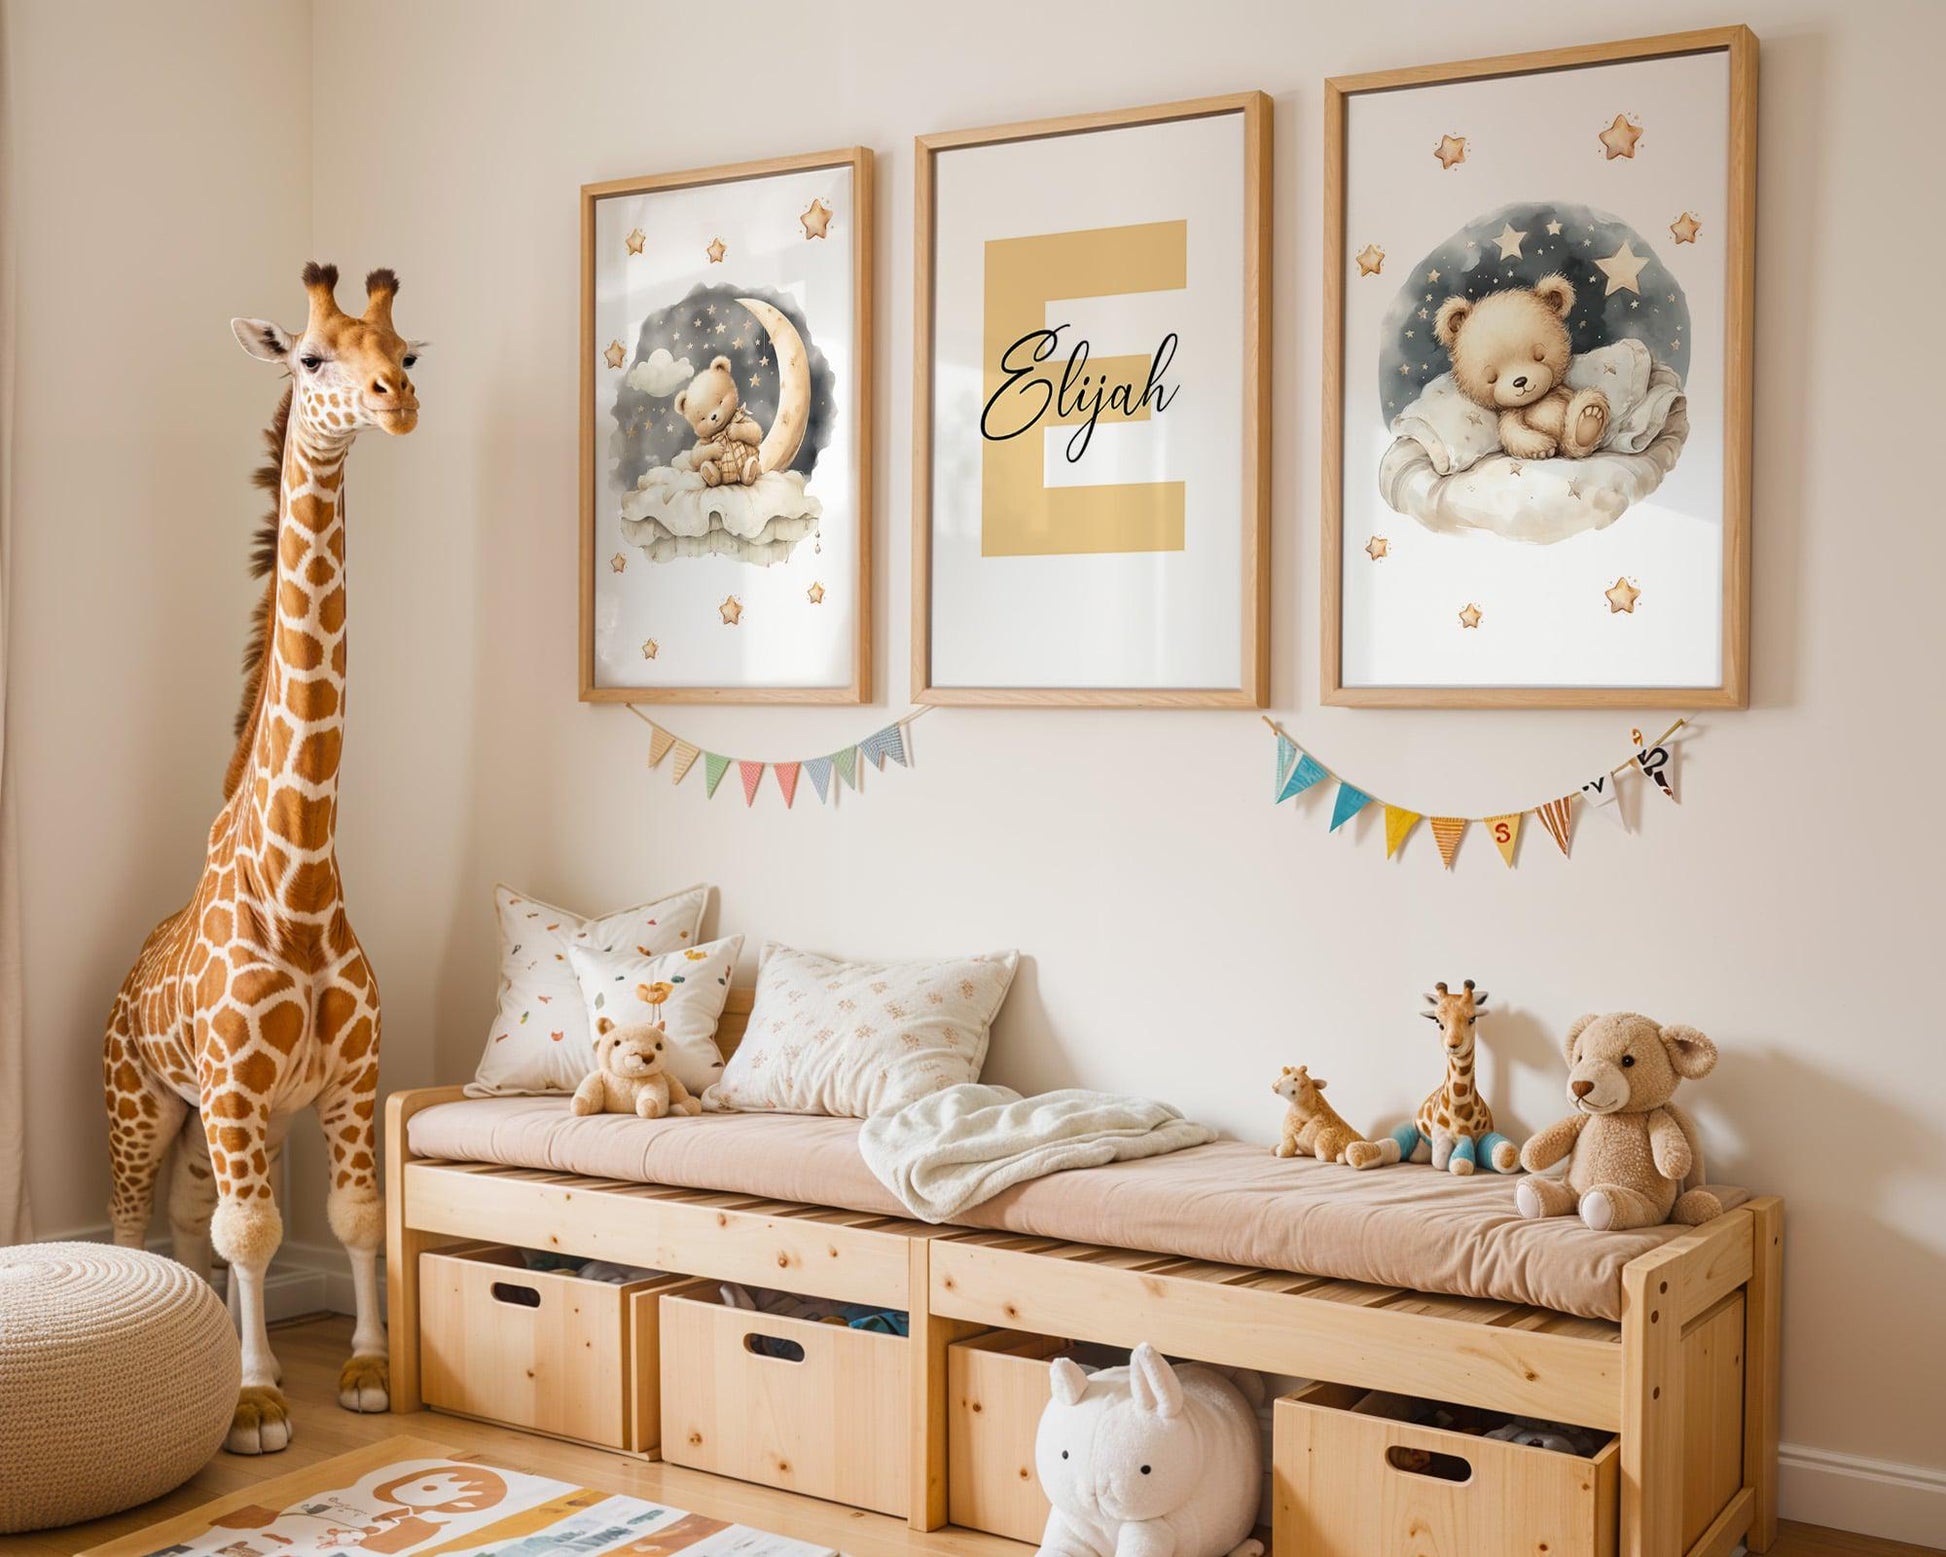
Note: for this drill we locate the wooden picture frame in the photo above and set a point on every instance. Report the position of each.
(1248, 446)
(1734, 225)
(849, 408)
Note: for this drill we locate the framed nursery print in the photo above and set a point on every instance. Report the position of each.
(1091, 473)
(1538, 376)
(725, 408)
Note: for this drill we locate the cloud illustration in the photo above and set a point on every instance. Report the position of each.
(661, 374)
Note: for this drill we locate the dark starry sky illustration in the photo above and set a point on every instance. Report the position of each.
(1469, 265)
(709, 323)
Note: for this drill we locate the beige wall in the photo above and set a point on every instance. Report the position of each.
(1780, 907)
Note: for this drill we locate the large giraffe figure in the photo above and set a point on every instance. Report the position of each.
(255, 1000)
(1453, 1129)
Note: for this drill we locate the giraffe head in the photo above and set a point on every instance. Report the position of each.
(1298, 1087)
(347, 372)
(1455, 1014)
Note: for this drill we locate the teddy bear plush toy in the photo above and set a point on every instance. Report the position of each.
(628, 1077)
(727, 436)
(1313, 1128)
(1510, 352)
(1633, 1157)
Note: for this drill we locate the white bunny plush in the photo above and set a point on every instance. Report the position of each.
(1145, 1461)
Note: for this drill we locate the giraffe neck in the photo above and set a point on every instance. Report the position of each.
(1459, 1075)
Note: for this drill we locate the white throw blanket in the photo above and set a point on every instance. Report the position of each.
(965, 1144)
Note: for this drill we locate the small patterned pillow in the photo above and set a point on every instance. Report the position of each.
(684, 992)
(857, 1038)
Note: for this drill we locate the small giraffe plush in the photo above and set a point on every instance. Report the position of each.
(1313, 1128)
(1453, 1129)
(628, 1077)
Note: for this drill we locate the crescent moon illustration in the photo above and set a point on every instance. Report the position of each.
(786, 434)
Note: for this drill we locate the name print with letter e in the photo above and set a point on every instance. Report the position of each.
(1079, 397)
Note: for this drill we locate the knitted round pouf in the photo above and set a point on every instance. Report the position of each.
(118, 1374)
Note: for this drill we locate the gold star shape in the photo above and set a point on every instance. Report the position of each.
(1619, 139)
(1622, 597)
(1554, 229)
(635, 240)
(1686, 229)
(1621, 268)
(1451, 151)
(650, 648)
(1377, 547)
(618, 563)
(816, 219)
(716, 248)
(1509, 241)
(731, 610)
(1432, 275)
(1371, 260)
(815, 594)
(1470, 617)
(616, 354)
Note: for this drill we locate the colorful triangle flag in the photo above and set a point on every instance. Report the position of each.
(1505, 833)
(786, 780)
(889, 742)
(752, 774)
(660, 740)
(1307, 772)
(714, 767)
(820, 770)
(1603, 794)
(1398, 822)
(846, 763)
(1557, 816)
(1286, 755)
(1446, 831)
(1349, 803)
(686, 756)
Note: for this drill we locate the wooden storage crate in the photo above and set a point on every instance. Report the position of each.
(834, 1423)
(996, 1390)
(541, 1350)
(1339, 1494)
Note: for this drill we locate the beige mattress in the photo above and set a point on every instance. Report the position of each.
(1402, 1226)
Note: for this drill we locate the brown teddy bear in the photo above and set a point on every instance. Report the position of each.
(1313, 1128)
(1633, 1156)
(628, 1077)
(1510, 354)
(727, 435)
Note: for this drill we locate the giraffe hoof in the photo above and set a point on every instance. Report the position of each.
(261, 1423)
(1460, 1165)
(365, 1384)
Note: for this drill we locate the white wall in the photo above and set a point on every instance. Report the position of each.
(1789, 907)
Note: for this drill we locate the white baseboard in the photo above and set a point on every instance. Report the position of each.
(1873, 1497)
(304, 1278)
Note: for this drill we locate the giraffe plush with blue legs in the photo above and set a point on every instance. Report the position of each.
(1453, 1129)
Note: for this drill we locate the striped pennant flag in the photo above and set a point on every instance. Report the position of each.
(889, 742)
(1286, 755)
(1505, 833)
(714, 767)
(786, 780)
(1603, 794)
(752, 774)
(660, 740)
(1446, 832)
(846, 764)
(1398, 822)
(820, 770)
(1307, 772)
(1557, 816)
(1349, 803)
(686, 756)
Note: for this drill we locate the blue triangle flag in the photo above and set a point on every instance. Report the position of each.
(1349, 803)
(819, 771)
(1286, 755)
(1307, 772)
(889, 742)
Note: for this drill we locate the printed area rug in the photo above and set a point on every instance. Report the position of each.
(412, 1498)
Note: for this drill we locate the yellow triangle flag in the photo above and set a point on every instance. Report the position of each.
(1446, 832)
(686, 756)
(1505, 832)
(1398, 822)
(660, 740)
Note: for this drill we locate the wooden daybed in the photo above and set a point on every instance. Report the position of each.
(1689, 1486)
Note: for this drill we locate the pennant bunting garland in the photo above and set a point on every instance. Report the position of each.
(714, 767)
(828, 773)
(660, 740)
(786, 780)
(1298, 770)
(752, 774)
(686, 756)
(820, 770)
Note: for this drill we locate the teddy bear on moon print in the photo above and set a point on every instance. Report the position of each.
(725, 439)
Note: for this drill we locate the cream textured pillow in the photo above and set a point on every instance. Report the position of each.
(683, 991)
(856, 1038)
(539, 1040)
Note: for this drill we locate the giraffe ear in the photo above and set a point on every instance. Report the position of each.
(265, 341)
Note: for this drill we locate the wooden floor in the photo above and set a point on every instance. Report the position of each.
(311, 1351)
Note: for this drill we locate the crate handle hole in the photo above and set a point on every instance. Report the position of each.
(519, 1296)
(1423, 1462)
(773, 1346)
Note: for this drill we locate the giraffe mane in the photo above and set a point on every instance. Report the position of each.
(267, 477)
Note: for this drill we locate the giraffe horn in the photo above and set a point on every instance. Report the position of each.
(321, 282)
(381, 286)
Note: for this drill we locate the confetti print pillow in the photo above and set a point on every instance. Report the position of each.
(539, 1040)
(683, 991)
(857, 1038)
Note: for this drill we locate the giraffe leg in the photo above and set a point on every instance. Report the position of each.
(143, 1118)
(247, 1229)
(192, 1199)
(357, 1217)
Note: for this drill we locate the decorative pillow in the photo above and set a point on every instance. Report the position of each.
(539, 1041)
(683, 991)
(856, 1038)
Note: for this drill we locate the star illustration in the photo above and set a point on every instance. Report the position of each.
(1622, 597)
(635, 240)
(1377, 547)
(1470, 617)
(1451, 151)
(618, 563)
(1371, 260)
(1619, 139)
(716, 248)
(1509, 241)
(1432, 275)
(816, 219)
(1621, 268)
(815, 594)
(731, 610)
(616, 354)
(650, 648)
(1685, 230)
(1554, 229)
